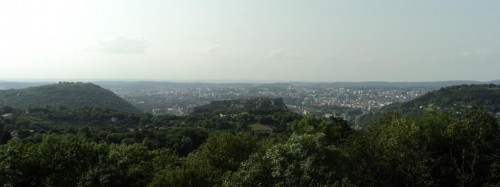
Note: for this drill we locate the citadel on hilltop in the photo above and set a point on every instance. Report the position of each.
(243, 105)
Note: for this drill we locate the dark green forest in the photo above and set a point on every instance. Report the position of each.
(437, 149)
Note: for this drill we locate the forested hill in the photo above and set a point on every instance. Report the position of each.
(72, 95)
(453, 98)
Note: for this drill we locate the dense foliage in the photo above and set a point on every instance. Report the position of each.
(439, 148)
(61, 118)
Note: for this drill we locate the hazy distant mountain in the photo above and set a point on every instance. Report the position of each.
(72, 95)
(141, 85)
(381, 84)
(138, 85)
(6, 85)
(495, 82)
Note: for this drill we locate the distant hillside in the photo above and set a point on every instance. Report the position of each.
(454, 98)
(379, 84)
(497, 82)
(72, 95)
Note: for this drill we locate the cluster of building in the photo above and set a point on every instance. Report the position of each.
(243, 105)
(366, 99)
(346, 102)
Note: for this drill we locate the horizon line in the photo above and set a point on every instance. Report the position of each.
(222, 81)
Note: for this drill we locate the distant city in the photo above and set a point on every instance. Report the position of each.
(301, 99)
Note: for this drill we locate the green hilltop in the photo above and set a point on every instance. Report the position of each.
(454, 98)
(65, 94)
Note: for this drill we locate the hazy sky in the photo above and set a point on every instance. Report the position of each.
(278, 40)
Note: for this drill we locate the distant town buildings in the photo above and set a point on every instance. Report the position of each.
(345, 102)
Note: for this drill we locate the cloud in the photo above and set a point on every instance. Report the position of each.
(476, 53)
(124, 45)
(279, 53)
(212, 50)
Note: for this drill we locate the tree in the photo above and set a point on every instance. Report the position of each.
(310, 157)
(473, 147)
(18, 164)
(336, 130)
(391, 153)
(304, 160)
(221, 152)
(56, 161)
(4, 135)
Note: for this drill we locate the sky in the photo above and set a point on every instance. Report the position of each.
(250, 40)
